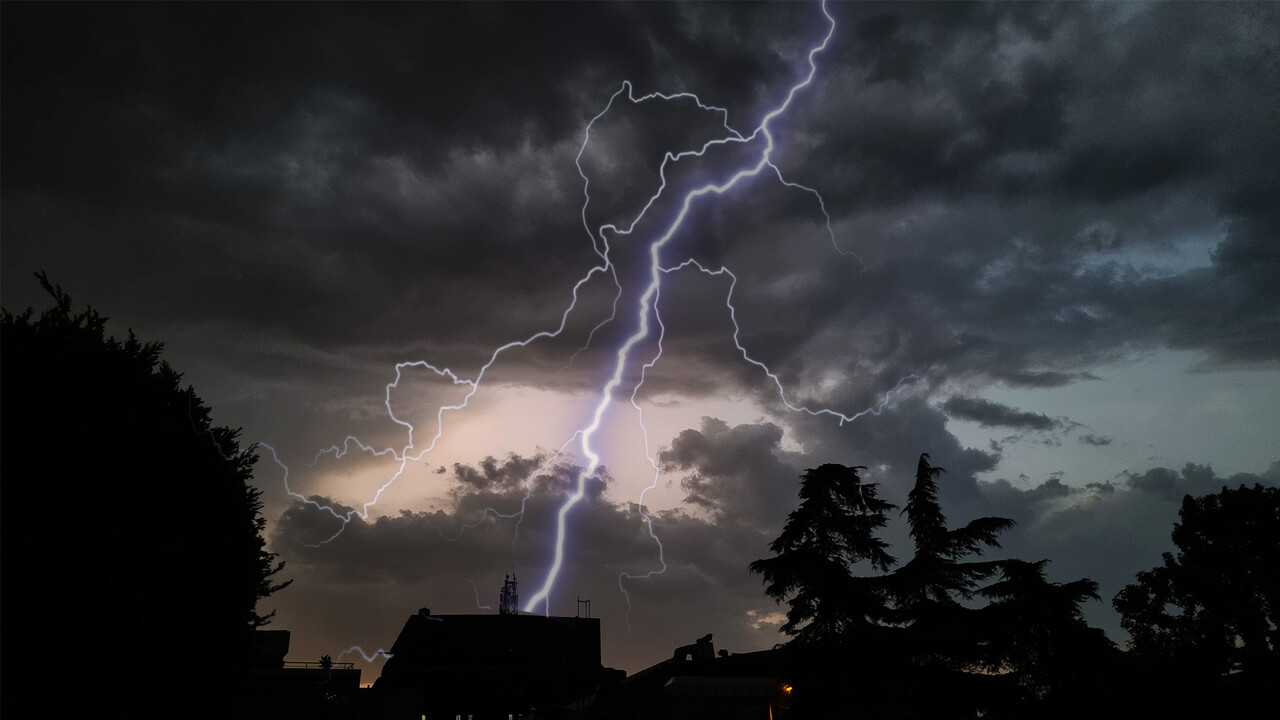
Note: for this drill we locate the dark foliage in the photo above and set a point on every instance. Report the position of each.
(941, 636)
(832, 530)
(1036, 635)
(940, 632)
(1218, 599)
(133, 557)
(1208, 617)
(937, 577)
(917, 641)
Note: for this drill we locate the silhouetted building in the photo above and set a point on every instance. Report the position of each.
(694, 684)
(299, 689)
(493, 667)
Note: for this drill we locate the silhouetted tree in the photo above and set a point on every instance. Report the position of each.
(132, 545)
(928, 589)
(918, 642)
(831, 530)
(1035, 632)
(833, 615)
(942, 640)
(1210, 615)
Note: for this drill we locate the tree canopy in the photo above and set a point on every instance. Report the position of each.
(918, 637)
(832, 530)
(1215, 605)
(132, 535)
(927, 590)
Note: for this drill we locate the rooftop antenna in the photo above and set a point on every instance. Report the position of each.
(509, 598)
(582, 603)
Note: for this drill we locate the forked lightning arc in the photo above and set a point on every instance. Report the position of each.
(648, 321)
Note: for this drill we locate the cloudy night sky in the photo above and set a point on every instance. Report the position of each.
(1052, 228)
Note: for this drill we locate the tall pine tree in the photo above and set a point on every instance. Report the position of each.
(832, 530)
(942, 638)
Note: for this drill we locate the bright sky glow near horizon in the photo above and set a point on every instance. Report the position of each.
(1061, 218)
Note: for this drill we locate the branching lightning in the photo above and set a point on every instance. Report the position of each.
(648, 323)
(647, 304)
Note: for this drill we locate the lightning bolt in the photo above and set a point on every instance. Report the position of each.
(648, 321)
(476, 589)
(368, 657)
(647, 306)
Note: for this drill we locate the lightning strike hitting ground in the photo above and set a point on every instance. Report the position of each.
(648, 323)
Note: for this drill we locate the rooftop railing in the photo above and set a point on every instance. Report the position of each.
(317, 665)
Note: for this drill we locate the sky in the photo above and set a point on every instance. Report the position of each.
(404, 247)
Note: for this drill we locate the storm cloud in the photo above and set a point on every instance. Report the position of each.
(988, 414)
(992, 227)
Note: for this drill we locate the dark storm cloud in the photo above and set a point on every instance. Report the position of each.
(982, 87)
(1097, 440)
(991, 414)
(403, 174)
(511, 473)
(736, 473)
(298, 151)
(1192, 479)
(1002, 250)
(1043, 379)
(194, 105)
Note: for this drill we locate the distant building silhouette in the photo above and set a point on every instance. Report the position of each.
(493, 667)
(283, 689)
(694, 684)
(512, 666)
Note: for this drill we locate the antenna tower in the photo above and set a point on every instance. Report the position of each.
(509, 599)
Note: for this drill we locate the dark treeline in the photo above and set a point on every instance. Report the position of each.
(132, 550)
(950, 634)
